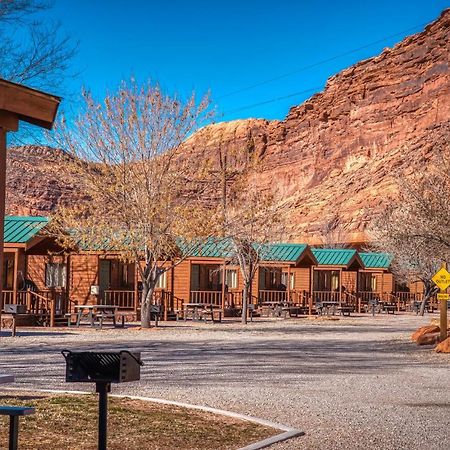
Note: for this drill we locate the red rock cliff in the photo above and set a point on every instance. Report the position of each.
(340, 151)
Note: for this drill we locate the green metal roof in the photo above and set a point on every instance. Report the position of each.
(283, 252)
(222, 248)
(20, 229)
(333, 257)
(376, 260)
(212, 248)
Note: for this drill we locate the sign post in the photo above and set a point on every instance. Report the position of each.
(442, 280)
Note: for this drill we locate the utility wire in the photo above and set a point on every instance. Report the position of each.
(311, 66)
(315, 89)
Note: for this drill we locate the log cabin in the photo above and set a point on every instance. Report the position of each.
(335, 277)
(39, 274)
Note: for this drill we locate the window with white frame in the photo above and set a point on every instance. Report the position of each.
(231, 279)
(162, 281)
(55, 275)
(285, 282)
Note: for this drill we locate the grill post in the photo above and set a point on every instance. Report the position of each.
(102, 388)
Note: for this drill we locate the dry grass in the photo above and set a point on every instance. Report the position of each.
(70, 422)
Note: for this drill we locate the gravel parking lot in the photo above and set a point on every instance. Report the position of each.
(353, 383)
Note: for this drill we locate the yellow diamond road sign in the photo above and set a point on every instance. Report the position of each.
(442, 279)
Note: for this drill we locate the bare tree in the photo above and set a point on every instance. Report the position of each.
(415, 228)
(413, 257)
(141, 191)
(249, 218)
(33, 51)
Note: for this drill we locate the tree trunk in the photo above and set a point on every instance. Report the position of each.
(426, 296)
(245, 303)
(146, 310)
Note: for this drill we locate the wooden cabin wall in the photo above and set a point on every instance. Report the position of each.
(416, 287)
(83, 274)
(388, 282)
(35, 268)
(182, 281)
(349, 280)
(302, 278)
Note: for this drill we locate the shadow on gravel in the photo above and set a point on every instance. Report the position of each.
(174, 363)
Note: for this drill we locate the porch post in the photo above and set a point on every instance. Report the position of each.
(223, 285)
(340, 286)
(16, 266)
(311, 291)
(136, 290)
(288, 287)
(2, 209)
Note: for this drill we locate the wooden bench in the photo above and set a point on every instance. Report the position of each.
(210, 312)
(14, 412)
(69, 316)
(101, 316)
(389, 309)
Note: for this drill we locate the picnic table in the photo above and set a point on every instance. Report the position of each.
(95, 312)
(200, 311)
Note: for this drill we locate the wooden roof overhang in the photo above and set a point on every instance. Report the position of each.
(18, 103)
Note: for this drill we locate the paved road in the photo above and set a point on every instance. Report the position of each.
(349, 384)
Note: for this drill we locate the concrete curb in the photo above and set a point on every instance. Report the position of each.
(288, 432)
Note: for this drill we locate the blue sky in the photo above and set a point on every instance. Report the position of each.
(228, 46)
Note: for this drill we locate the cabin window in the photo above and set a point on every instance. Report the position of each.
(367, 282)
(8, 272)
(55, 275)
(231, 278)
(287, 279)
(270, 278)
(162, 281)
(373, 283)
(326, 280)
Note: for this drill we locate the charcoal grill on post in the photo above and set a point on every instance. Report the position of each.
(102, 368)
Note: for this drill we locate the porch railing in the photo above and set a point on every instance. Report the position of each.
(43, 304)
(212, 297)
(325, 296)
(122, 299)
(269, 296)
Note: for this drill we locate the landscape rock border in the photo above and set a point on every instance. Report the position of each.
(287, 432)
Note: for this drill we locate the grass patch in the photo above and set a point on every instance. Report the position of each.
(70, 422)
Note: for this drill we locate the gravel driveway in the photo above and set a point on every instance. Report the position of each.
(349, 384)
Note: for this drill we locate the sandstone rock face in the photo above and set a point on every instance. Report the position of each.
(341, 151)
(344, 148)
(34, 185)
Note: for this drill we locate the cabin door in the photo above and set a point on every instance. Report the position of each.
(104, 276)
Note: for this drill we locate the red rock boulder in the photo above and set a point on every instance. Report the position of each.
(423, 331)
(443, 347)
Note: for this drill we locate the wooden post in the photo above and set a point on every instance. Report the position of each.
(166, 304)
(223, 285)
(16, 266)
(359, 304)
(289, 284)
(2, 210)
(136, 290)
(52, 311)
(340, 286)
(311, 292)
(443, 316)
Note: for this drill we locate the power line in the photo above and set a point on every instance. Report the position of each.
(324, 61)
(315, 89)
